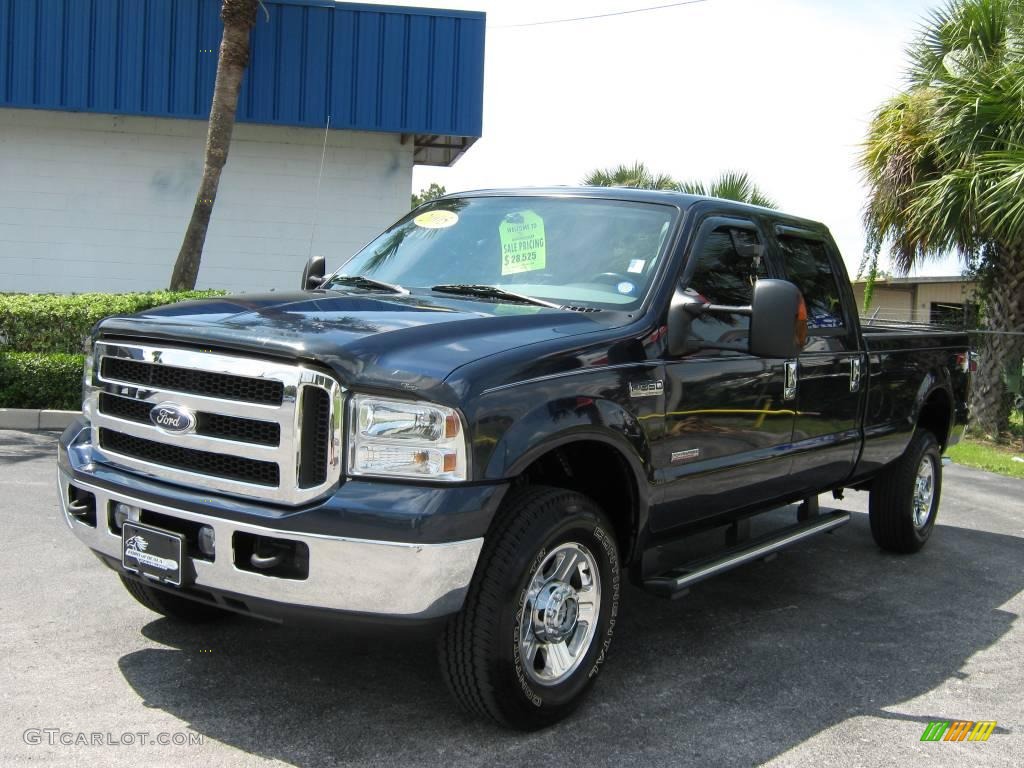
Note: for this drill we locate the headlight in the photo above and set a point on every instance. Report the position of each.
(396, 438)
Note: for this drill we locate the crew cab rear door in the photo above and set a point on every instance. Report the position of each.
(727, 421)
(831, 371)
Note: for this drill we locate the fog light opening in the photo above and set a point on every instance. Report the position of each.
(121, 513)
(207, 541)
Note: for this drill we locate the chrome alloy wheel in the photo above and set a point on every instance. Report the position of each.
(560, 614)
(924, 492)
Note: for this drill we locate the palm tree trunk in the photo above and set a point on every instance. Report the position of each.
(239, 17)
(1004, 297)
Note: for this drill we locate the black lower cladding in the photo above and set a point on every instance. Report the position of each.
(203, 462)
(207, 424)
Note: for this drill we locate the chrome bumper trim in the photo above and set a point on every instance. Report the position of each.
(355, 575)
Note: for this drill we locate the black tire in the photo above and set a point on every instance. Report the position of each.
(894, 525)
(480, 650)
(172, 606)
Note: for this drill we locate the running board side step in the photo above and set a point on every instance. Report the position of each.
(677, 582)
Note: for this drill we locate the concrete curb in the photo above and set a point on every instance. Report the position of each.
(30, 419)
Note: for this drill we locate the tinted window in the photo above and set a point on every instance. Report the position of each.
(728, 265)
(809, 267)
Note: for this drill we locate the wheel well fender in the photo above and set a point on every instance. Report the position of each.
(599, 449)
(566, 421)
(933, 407)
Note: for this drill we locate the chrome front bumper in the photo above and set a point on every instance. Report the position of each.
(360, 576)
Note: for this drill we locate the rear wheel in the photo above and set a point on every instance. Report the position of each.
(538, 619)
(905, 496)
(172, 606)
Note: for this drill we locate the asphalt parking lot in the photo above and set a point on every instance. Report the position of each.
(832, 654)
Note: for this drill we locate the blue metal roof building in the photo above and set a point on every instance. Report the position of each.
(412, 71)
(103, 106)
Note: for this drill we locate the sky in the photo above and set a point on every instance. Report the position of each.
(782, 89)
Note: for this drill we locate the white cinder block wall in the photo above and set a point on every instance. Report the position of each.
(101, 202)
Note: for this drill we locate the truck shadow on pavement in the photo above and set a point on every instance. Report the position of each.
(746, 667)
(17, 447)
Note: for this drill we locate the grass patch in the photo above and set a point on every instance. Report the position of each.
(992, 457)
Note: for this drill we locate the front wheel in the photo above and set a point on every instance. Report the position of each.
(538, 619)
(905, 496)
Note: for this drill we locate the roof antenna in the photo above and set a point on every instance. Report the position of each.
(319, 179)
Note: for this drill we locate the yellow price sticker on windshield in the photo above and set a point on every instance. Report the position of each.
(523, 248)
(436, 219)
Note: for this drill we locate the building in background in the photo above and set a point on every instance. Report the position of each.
(942, 300)
(102, 128)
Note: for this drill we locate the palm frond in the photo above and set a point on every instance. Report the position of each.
(730, 185)
(694, 187)
(637, 176)
(1001, 204)
(962, 35)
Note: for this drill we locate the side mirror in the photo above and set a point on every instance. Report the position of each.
(778, 319)
(313, 273)
(681, 312)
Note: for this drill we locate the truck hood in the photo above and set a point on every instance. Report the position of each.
(406, 342)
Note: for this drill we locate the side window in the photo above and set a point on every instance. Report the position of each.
(728, 264)
(809, 267)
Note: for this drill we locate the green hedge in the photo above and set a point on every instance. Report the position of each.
(34, 380)
(56, 323)
(41, 338)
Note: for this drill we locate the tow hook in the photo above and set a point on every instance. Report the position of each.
(264, 562)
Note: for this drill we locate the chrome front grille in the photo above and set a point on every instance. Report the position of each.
(256, 428)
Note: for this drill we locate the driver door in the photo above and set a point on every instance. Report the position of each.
(728, 415)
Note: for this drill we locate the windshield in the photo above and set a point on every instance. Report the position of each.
(570, 251)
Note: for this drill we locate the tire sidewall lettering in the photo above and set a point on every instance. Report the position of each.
(608, 544)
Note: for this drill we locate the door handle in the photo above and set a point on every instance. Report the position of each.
(855, 374)
(792, 373)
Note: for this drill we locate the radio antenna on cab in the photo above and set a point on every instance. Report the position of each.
(319, 180)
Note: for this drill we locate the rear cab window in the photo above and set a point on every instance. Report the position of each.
(808, 261)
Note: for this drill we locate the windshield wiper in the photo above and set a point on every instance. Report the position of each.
(494, 292)
(361, 281)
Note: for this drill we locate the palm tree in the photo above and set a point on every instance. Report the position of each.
(637, 176)
(944, 164)
(239, 17)
(731, 185)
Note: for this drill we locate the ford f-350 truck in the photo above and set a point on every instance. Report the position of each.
(493, 412)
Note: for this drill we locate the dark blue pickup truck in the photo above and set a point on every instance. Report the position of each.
(493, 412)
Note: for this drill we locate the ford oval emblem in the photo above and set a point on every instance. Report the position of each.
(172, 418)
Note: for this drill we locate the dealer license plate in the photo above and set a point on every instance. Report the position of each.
(151, 552)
